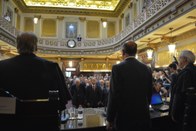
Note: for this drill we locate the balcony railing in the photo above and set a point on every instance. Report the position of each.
(109, 43)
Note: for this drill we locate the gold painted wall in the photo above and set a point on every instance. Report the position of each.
(49, 28)
(191, 47)
(111, 31)
(165, 58)
(120, 25)
(92, 29)
(29, 25)
(18, 22)
(1, 8)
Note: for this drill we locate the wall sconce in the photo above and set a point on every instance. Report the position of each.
(70, 63)
(36, 18)
(104, 22)
(149, 53)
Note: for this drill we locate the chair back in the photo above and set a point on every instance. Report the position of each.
(34, 114)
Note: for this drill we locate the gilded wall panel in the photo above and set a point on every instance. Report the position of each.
(18, 22)
(92, 29)
(164, 58)
(191, 47)
(49, 28)
(111, 31)
(29, 25)
(95, 66)
(1, 6)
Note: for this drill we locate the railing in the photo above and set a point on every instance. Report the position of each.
(4, 24)
(61, 44)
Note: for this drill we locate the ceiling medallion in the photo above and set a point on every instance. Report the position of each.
(109, 5)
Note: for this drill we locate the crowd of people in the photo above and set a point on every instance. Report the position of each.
(91, 91)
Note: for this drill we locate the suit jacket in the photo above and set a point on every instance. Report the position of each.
(78, 95)
(93, 97)
(27, 76)
(130, 95)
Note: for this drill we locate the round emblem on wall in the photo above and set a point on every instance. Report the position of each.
(71, 43)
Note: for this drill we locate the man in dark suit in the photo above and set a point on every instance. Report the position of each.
(78, 93)
(93, 95)
(130, 93)
(28, 77)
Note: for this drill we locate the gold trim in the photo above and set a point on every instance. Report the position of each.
(43, 10)
(78, 4)
(60, 17)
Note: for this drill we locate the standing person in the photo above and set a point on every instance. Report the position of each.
(78, 93)
(173, 78)
(185, 79)
(29, 77)
(93, 94)
(130, 93)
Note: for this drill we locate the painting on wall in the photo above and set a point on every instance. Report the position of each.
(71, 29)
(9, 15)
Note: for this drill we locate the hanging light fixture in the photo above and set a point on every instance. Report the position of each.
(70, 64)
(149, 53)
(171, 46)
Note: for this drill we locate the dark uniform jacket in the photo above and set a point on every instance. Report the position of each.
(29, 77)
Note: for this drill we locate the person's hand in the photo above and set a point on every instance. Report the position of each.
(109, 126)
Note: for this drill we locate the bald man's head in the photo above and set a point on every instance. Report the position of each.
(130, 48)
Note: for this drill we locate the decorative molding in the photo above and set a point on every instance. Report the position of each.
(25, 9)
(60, 17)
(82, 19)
(134, 31)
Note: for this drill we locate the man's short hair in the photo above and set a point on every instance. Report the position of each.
(26, 43)
(173, 66)
(130, 48)
(188, 55)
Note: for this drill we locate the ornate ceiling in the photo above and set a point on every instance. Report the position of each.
(79, 4)
(106, 8)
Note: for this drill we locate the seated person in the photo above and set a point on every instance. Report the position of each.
(159, 88)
